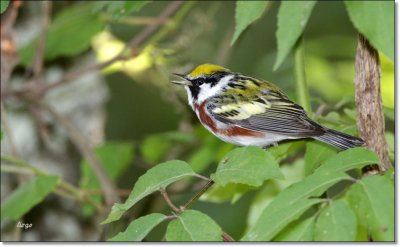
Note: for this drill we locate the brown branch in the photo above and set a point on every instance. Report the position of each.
(110, 194)
(370, 120)
(38, 59)
(37, 117)
(164, 194)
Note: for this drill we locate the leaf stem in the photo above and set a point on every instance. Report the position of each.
(300, 74)
(197, 196)
(164, 193)
(227, 238)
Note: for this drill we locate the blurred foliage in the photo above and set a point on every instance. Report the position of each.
(25, 197)
(3, 5)
(298, 191)
(292, 19)
(379, 29)
(245, 14)
(64, 26)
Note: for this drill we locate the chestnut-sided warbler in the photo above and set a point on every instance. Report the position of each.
(245, 111)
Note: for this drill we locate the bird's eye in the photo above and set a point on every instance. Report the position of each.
(200, 81)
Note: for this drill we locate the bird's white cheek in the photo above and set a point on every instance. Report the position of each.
(206, 91)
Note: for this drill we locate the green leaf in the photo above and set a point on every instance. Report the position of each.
(193, 225)
(349, 159)
(294, 197)
(115, 158)
(267, 225)
(27, 196)
(283, 150)
(372, 199)
(3, 5)
(292, 19)
(336, 222)
(299, 231)
(390, 140)
(389, 174)
(389, 113)
(119, 8)
(272, 222)
(154, 179)
(230, 192)
(316, 153)
(69, 33)
(293, 173)
(247, 165)
(375, 20)
(139, 228)
(134, 6)
(246, 13)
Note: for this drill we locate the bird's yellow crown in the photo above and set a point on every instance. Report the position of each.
(206, 69)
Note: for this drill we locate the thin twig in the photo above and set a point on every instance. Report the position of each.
(37, 117)
(6, 126)
(135, 20)
(16, 170)
(23, 167)
(133, 46)
(164, 193)
(225, 236)
(110, 194)
(70, 76)
(121, 192)
(37, 66)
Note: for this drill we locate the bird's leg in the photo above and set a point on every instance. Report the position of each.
(274, 144)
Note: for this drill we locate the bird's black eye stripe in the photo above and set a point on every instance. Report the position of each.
(198, 81)
(211, 79)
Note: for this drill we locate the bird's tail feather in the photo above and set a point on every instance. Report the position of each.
(339, 139)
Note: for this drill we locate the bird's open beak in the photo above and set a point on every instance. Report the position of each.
(185, 81)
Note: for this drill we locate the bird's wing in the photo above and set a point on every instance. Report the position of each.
(266, 111)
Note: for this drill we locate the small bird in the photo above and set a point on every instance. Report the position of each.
(246, 111)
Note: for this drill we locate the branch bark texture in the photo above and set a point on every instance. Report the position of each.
(370, 120)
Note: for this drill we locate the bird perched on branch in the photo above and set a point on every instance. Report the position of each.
(245, 111)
